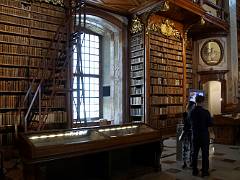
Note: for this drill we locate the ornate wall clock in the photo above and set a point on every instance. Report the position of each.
(212, 52)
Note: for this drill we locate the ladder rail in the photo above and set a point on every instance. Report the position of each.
(52, 96)
(41, 74)
(30, 106)
(52, 55)
(44, 115)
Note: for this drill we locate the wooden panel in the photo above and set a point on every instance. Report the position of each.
(124, 7)
(225, 129)
(179, 11)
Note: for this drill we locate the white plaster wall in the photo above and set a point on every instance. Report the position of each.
(106, 56)
(117, 81)
(112, 76)
(214, 98)
(206, 95)
(121, 18)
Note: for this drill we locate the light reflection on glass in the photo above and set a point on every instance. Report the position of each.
(117, 128)
(72, 133)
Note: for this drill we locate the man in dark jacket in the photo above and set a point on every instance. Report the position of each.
(201, 120)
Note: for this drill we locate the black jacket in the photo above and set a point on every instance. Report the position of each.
(186, 122)
(200, 120)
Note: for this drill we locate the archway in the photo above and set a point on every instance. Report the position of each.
(215, 75)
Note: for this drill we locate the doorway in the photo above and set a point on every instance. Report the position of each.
(213, 95)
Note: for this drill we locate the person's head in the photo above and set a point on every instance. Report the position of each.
(199, 100)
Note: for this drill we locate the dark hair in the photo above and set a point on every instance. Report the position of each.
(199, 99)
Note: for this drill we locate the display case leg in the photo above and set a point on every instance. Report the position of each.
(1, 165)
(29, 172)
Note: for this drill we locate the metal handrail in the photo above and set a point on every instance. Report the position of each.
(30, 106)
(38, 73)
(44, 116)
(54, 58)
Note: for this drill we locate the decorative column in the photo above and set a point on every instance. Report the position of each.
(232, 83)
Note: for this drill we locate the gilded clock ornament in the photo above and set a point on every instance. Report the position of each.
(212, 52)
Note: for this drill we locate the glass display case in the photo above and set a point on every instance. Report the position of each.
(102, 147)
(66, 141)
(126, 130)
(66, 137)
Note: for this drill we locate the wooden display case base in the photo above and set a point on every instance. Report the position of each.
(122, 163)
(108, 152)
(225, 134)
(226, 129)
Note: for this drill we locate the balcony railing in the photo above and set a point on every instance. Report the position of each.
(214, 7)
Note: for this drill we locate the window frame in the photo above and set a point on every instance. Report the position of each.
(86, 31)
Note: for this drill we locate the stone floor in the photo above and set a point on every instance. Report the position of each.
(224, 165)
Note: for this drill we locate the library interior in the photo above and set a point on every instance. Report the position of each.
(100, 89)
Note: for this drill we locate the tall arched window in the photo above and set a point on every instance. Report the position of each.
(103, 58)
(86, 79)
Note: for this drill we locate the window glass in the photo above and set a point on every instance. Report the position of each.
(90, 73)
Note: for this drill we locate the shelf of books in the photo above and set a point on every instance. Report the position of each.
(137, 77)
(239, 76)
(189, 65)
(166, 75)
(238, 95)
(26, 32)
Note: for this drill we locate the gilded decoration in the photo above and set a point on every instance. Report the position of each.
(166, 27)
(55, 2)
(136, 26)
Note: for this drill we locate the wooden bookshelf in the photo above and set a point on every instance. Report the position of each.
(238, 34)
(158, 68)
(26, 32)
(189, 67)
(166, 80)
(137, 77)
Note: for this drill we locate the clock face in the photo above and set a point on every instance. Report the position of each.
(212, 52)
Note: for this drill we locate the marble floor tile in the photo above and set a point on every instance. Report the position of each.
(229, 160)
(171, 170)
(224, 164)
(218, 154)
(237, 168)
